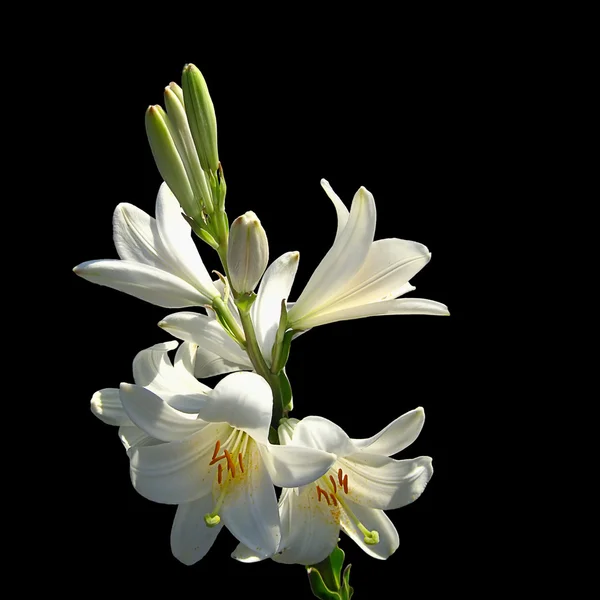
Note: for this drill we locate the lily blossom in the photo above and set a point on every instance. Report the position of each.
(217, 464)
(359, 277)
(159, 260)
(352, 495)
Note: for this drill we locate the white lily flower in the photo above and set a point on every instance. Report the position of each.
(152, 369)
(359, 277)
(352, 494)
(218, 353)
(218, 464)
(159, 260)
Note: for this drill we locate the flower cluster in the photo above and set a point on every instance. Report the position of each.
(219, 453)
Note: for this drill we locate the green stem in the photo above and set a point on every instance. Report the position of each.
(223, 311)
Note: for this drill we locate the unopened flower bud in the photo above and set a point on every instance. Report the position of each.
(201, 116)
(248, 252)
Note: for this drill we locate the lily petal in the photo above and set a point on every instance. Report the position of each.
(244, 554)
(245, 401)
(404, 306)
(389, 265)
(372, 519)
(209, 364)
(293, 466)
(142, 281)
(275, 286)
(154, 416)
(206, 333)
(175, 236)
(321, 433)
(340, 208)
(177, 472)
(309, 529)
(191, 539)
(250, 507)
(377, 481)
(106, 405)
(131, 436)
(397, 436)
(343, 260)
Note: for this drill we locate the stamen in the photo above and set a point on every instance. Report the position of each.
(333, 483)
(334, 499)
(220, 475)
(324, 493)
(241, 462)
(345, 484)
(217, 448)
(340, 473)
(230, 463)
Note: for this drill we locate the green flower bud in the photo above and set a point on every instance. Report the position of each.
(201, 116)
(248, 252)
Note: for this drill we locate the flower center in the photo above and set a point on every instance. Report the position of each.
(229, 464)
(333, 495)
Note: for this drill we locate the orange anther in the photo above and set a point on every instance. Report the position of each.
(217, 448)
(340, 475)
(324, 493)
(241, 462)
(334, 500)
(230, 464)
(333, 484)
(345, 484)
(220, 473)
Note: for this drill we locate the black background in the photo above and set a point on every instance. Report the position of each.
(401, 116)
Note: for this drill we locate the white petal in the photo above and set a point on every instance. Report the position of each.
(266, 310)
(244, 554)
(132, 436)
(309, 528)
(142, 281)
(191, 539)
(106, 405)
(136, 237)
(175, 235)
(175, 384)
(343, 260)
(380, 482)
(404, 306)
(250, 507)
(372, 519)
(340, 208)
(245, 401)
(321, 433)
(207, 334)
(294, 466)
(399, 434)
(177, 472)
(389, 265)
(155, 416)
(209, 364)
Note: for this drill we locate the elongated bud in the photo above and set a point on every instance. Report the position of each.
(248, 252)
(201, 116)
(168, 160)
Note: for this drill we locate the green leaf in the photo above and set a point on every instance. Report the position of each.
(325, 578)
(347, 589)
(318, 587)
(286, 392)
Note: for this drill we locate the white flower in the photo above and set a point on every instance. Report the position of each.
(359, 277)
(217, 464)
(159, 260)
(352, 494)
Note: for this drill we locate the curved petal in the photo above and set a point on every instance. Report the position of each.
(245, 401)
(372, 519)
(209, 364)
(136, 237)
(309, 528)
(275, 286)
(321, 433)
(249, 510)
(343, 260)
(404, 306)
(179, 247)
(340, 208)
(244, 554)
(206, 333)
(132, 436)
(389, 265)
(106, 405)
(191, 539)
(154, 416)
(380, 482)
(294, 466)
(399, 434)
(177, 472)
(142, 281)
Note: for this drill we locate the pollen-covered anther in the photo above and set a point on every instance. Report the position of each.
(241, 462)
(322, 492)
(343, 479)
(220, 475)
